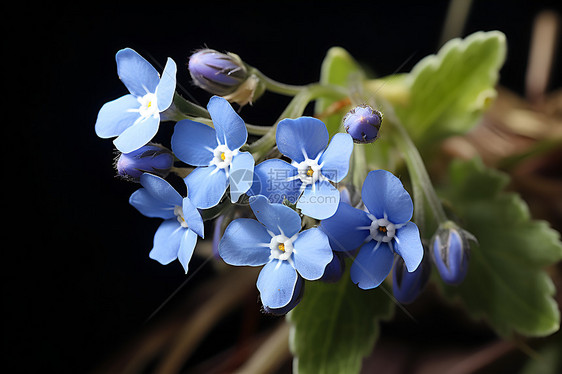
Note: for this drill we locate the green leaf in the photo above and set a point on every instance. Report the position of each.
(506, 282)
(338, 68)
(336, 325)
(448, 92)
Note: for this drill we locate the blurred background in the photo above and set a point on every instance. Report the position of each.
(80, 294)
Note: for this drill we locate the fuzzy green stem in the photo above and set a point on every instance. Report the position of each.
(418, 174)
(277, 87)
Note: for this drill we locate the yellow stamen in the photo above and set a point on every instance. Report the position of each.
(223, 156)
(310, 172)
(382, 228)
(281, 247)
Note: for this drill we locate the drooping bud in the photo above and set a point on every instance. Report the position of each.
(297, 296)
(450, 251)
(151, 158)
(217, 73)
(363, 124)
(407, 286)
(334, 270)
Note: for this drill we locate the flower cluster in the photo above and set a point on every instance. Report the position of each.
(299, 226)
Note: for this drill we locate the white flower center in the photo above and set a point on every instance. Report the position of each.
(281, 247)
(381, 230)
(178, 212)
(149, 106)
(309, 171)
(222, 156)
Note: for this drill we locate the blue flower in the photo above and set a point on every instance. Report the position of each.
(450, 251)
(216, 153)
(177, 234)
(274, 240)
(381, 231)
(305, 181)
(135, 117)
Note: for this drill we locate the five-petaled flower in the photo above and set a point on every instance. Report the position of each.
(177, 234)
(306, 181)
(216, 153)
(276, 242)
(135, 118)
(381, 231)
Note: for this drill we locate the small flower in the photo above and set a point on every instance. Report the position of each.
(135, 118)
(381, 231)
(151, 158)
(306, 181)
(216, 153)
(177, 234)
(218, 73)
(450, 252)
(363, 123)
(406, 286)
(275, 240)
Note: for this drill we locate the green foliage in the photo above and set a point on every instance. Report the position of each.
(506, 283)
(336, 325)
(447, 93)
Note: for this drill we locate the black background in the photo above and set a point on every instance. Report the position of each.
(77, 283)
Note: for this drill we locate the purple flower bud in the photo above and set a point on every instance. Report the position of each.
(363, 124)
(151, 158)
(450, 251)
(334, 270)
(297, 296)
(407, 286)
(217, 73)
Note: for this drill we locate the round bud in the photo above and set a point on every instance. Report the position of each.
(363, 124)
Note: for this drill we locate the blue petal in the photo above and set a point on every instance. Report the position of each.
(116, 116)
(149, 206)
(320, 202)
(187, 246)
(231, 129)
(137, 135)
(304, 135)
(383, 194)
(193, 217)
(206, 186)
(167, 242)
(408, 245)
(346, 228)
(167, 86)
(277, 218)
(193, 142)
(372, 266)
(245, 242)
(335, 160)
(276, 283)
(273, 179)
(136, 73)
(312, 253)
(161, 189)
(241, 175)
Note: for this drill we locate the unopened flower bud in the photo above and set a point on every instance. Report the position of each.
(334, 270)
(450, 251)
(151, 158)
(217, 73)
(363, 123)
(297, 296)
(407, 286)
